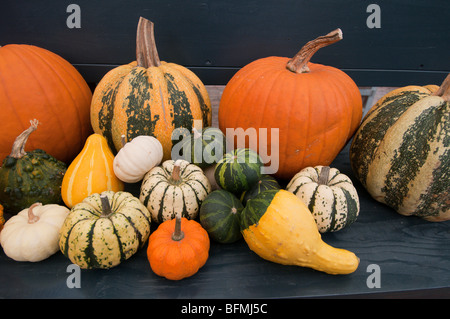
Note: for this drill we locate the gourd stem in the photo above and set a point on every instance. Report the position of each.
(18, 148)
(299, 63)
(178, 233)
(176, 171)
(106, 207)
(122, 140)
(146, 52)
(444, 89)
(32, 218)
(324, 174)
(197, 134)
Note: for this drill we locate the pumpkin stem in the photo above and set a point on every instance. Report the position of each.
(176, 171)
(444, 89)
(122, 140)
(106, 206)
(178, 233)
(32, 218)
(18, 148)
(299, 63)
(146, 52)
(324, 174)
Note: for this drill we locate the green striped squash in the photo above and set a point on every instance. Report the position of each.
(148, 97)
(219, 216)
(401, 152)
(204, 148)
(238, 170)
(266, 182)
(176, 188)
(329, 195)
(104, 230)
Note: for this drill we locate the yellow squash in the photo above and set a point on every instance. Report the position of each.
(90, 172)
(278, 227)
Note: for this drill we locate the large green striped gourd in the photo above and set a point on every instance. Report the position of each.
(401, 152)
(101, 233)
(238, 170)
(329, 195)
(219, 216)
(148, 97)
(176, 188)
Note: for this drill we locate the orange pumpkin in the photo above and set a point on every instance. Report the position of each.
(316, 108)
(178, 248)
(35, 82)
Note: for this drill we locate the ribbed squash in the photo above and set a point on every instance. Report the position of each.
(90, 172)
(401, 152)
(219, 216)
(176, 188)
(148, 97)
(329, 195)
(104, 230)
(238, 170)
(278, 227)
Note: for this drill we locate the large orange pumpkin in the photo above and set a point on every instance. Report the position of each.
(38, 84)
(316, 108)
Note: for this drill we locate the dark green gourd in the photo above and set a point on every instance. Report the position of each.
(29, 177)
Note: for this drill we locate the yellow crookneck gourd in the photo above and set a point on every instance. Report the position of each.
(278, 227)
(90, 172)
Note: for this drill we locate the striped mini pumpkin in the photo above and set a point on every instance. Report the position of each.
(238, 170)
(401, 152)
(90, 172)
(148, 97)
(104, 230)
(328, 194)
(174, 188)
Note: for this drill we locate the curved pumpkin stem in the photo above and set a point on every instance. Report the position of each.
(444, 89)
(299, 63)
(18, 148)
(32, 218)
(146, 52)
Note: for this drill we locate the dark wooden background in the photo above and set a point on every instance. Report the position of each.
(215, 38)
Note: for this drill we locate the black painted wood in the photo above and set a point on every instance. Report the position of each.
(413, 256)
(215, 38)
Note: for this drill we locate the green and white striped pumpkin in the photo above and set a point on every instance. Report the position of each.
(176, 188)
(219, 216)
(401, 152)
(104, 230)
(238, 170)
(328, 194)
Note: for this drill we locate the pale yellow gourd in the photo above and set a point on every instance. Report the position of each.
(278, 227)
(90, 172)
(33, 234)
(137, 157)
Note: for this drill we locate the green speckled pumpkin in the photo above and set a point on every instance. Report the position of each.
(148, 97)
(104, 230)
(29, 177)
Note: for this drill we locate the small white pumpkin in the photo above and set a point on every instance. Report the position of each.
(33, 234)
(329, 195)
(137, 157)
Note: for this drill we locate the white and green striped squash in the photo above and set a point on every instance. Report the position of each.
(329, 195)
(238, 170)
(401, 152)
(176, 188)
(104, 230)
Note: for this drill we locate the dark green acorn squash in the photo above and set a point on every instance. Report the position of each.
(219, 216)
(29, 177)
(265, 183)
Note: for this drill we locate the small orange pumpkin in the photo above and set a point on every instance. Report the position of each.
(178, 248)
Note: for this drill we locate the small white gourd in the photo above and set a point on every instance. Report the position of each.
(33, 234)
(137, 157)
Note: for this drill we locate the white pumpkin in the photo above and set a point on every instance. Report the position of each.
(137, 157)
(33, 234)
(329, 195)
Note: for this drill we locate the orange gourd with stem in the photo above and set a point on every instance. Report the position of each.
(317, 108)
(178, 248)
